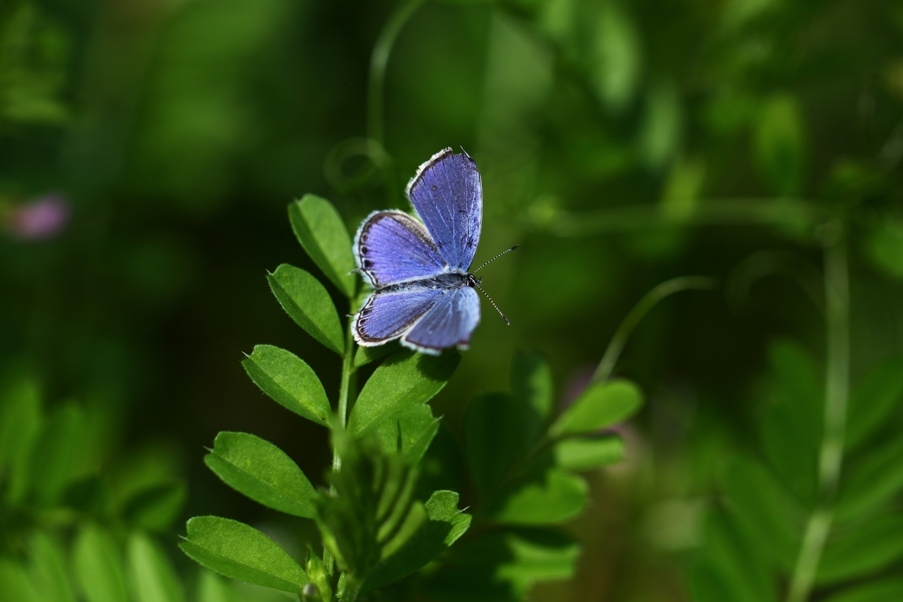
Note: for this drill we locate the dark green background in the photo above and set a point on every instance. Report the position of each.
(620, 143)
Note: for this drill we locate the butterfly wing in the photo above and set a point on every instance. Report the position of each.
(409, 263)
(427, 319)
(386, 315)
(447, 193)
(392, 247)
(448, 322)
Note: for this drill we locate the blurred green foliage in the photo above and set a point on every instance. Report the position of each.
(621, 143)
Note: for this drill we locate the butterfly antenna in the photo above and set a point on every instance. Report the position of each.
(476, 285)
(485, 263)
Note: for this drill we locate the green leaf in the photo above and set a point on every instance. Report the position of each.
(709, 582)
(14, 583)
(543, 497)
(885, 246)
(729, 567)
(141, 468)
(320, 578)
(152, 576)
(681, 194)
(405, 379)
(798, 386)
(20, 420)
(493, 441)
(600, 406)
(98, 566)
(587, 453)
(780, 144)
(880, 591)
(539, 555)
(87, 495)
(501, 431)
(872, 482)
(792, 455)
(308, 303)
(263, 472)
(735, 15)
(410, 433)
(47, 569)
(532, 387)
(791, 423)
(446, 524)
(56, 452)
(443, 507)
(768, 515)
(323, 235)
(155, 508)
(865, 549)
(241, 552)
(289, 381)
(659, 139)
(505, 563)
(444, 466)
(365, 355)
(874, 399)
(617, 56)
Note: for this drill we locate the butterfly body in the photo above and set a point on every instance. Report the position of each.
(443, 282)
(423, 293)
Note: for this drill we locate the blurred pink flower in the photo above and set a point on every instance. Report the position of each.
(575, 384)
(39, 219)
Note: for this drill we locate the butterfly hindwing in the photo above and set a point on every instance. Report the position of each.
(448, 323)
(448, 195)
(392, 247)
(388, 315)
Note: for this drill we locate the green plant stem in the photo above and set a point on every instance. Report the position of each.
(837, 385)
(345, 394)
(709, 212)
(379, 59)
(344, 390)
(837, 377)
(639, 311)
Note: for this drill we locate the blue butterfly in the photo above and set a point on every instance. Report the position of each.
(423, 292)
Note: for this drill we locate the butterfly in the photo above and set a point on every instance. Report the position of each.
(423, 293)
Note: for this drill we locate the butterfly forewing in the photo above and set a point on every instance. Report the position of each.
(448, 196)
(392, 247)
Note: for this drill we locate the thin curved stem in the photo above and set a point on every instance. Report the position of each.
(379, 59)
(639, 311)
(764, 263)
(837, 385)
